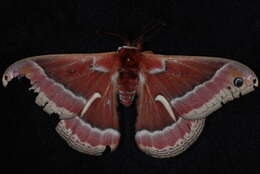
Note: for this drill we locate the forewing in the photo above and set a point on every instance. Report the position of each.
(176, 93)
(81, 89)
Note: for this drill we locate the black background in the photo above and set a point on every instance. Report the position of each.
(230, 141)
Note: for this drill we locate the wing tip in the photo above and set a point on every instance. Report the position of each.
(9, 75)
(6, 79)
(13, 71)
(24, 68)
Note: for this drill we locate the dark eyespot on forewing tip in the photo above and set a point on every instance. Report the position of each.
(247, 74)
(5, 80)
(9, 74)
(14, 70)
(238, 82)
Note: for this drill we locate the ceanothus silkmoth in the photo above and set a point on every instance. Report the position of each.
(174, 95)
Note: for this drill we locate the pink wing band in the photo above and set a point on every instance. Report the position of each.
(170, 141)
(210, 95)
(52, 95)
(84, 138)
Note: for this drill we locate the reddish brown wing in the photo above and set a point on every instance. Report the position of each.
(81, 90)
(176, 93)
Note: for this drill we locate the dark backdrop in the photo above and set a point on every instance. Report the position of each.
(231, 139)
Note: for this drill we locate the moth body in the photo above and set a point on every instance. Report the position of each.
(128, 74)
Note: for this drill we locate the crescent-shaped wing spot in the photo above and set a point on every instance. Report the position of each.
(166, 104)
(89, 102)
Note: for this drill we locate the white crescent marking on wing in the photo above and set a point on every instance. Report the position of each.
(89, 102)
(166, 104)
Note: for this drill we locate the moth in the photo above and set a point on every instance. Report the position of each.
(174, 94)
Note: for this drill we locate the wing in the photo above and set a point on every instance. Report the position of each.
(81, 89)
(176, 93)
